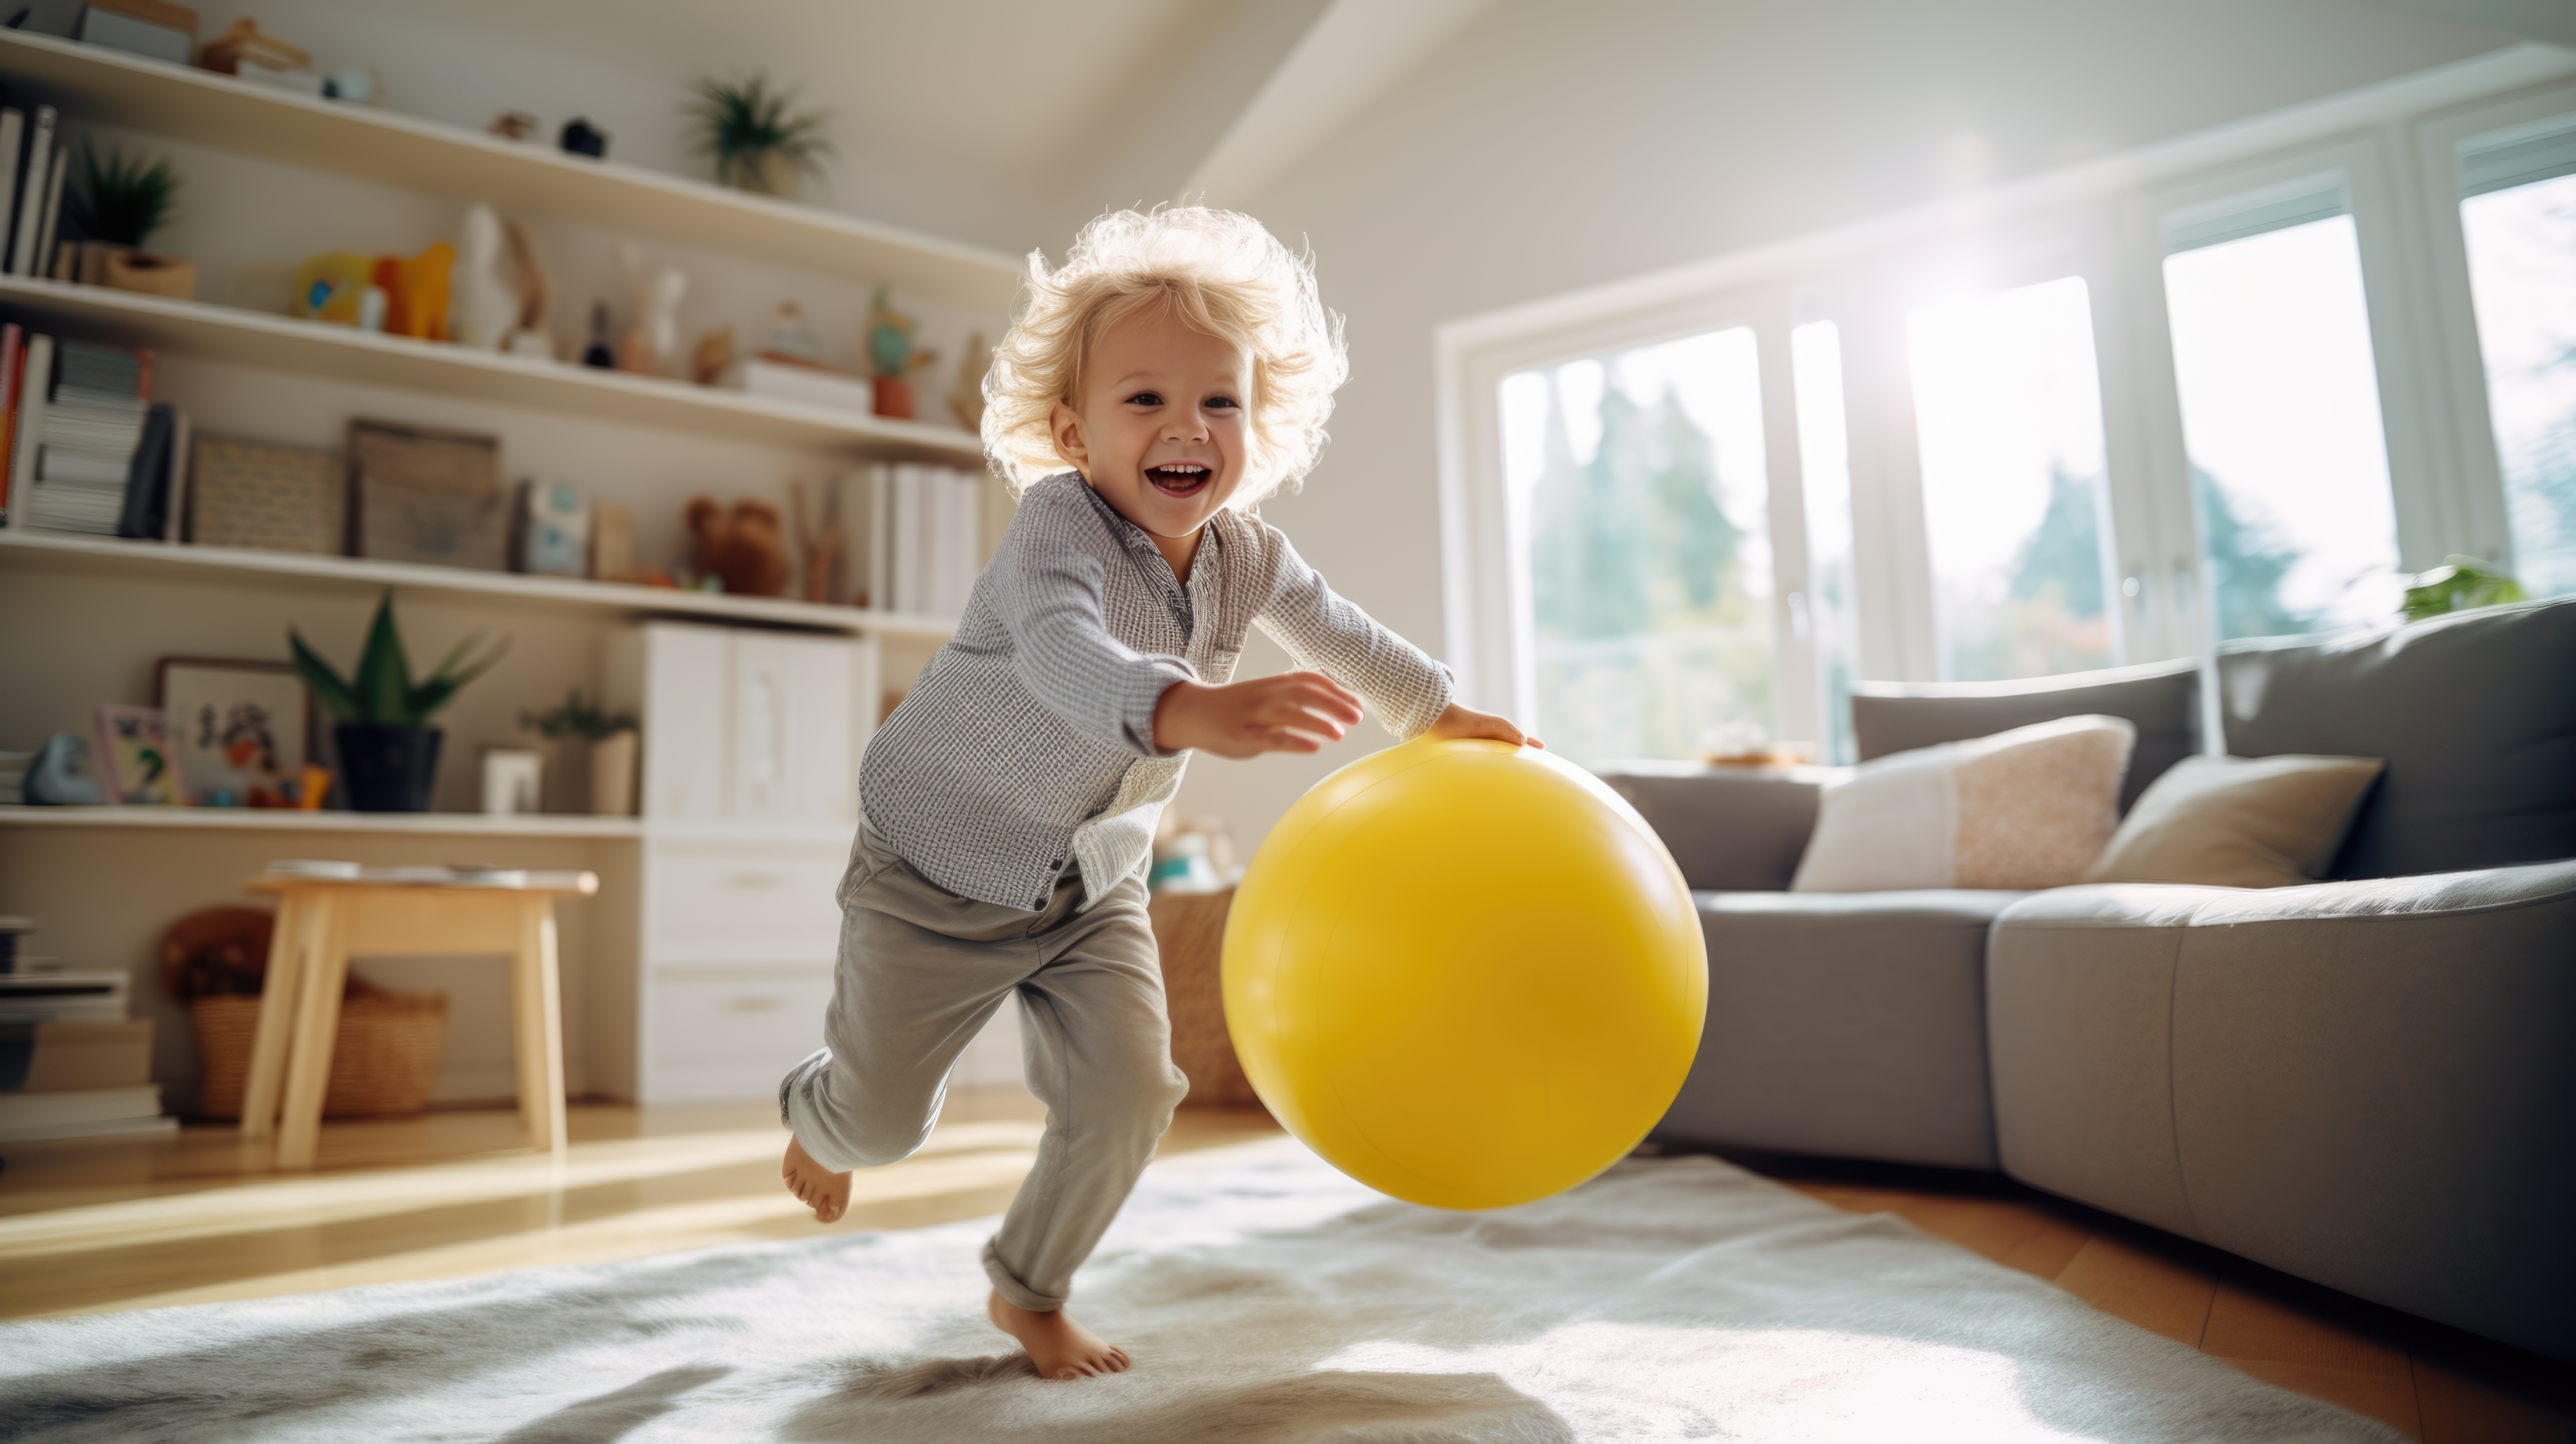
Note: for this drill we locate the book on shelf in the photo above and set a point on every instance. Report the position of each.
(88, 449)
(67, 1056)
(33, 189)
(83, 1113)
(13, 141)
(72, 1064)
(923, 537)
(63, 997)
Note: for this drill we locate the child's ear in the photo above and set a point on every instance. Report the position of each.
(1065, 424)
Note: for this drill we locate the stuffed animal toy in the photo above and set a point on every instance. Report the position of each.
(743, 547)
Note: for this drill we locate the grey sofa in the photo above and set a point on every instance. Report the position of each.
(2369, 1082)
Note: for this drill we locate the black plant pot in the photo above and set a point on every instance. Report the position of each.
(387, 769)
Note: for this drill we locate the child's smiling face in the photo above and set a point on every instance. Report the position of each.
(1161, 431)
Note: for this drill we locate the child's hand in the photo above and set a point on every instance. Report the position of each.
(1291, 712)
(1464, 722)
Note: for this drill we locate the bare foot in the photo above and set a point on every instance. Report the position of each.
(815, 1186)
(1061, 1348)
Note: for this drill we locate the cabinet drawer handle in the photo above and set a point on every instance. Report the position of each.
(754, 1005)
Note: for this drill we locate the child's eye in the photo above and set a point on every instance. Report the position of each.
(1222, 401)
(1145, 398)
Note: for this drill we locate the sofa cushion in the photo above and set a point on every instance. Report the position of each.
(2162, 699)
(2475, 713)
(1851, 1024)
(2028, 808)
(2239, 822)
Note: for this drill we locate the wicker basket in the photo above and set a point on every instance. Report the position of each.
(383, 1065)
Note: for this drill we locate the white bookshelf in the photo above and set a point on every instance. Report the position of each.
(615, 600)
(111, 87)
(314, 348)
(746, 882)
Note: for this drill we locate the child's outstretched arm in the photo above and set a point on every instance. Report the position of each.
(1413, 695)
(1291, 712)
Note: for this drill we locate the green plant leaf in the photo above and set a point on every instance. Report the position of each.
(325, 681)
(383, 683)
(453, 673)
(120, 198)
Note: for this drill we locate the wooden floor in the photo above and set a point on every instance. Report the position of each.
(95, 1227)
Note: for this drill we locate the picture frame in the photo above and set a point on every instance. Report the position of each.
(132, 760)
(239, 731)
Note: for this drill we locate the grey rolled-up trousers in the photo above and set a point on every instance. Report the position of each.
(921, 971)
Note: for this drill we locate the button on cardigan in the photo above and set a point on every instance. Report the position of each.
(1028, 742)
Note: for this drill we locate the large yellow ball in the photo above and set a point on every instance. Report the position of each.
(1466, 974)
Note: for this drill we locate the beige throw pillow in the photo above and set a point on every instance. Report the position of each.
(2239, 821)
(2024, 809)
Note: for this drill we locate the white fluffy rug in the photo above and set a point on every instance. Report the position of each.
(1262, 1295)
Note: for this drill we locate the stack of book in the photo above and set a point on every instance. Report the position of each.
(32, 166)
(88, 449)
(927, 538)
(72, 1065)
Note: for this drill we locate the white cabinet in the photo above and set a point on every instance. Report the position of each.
(742, 900)
(750, 788)
(721, 1035)
(746, 727)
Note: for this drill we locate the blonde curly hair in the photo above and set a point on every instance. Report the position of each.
(1223, 276)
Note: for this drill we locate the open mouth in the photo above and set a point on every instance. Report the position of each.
(1180, 478)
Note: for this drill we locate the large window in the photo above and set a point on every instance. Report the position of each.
(2519, 221)
(2280, 417)
(2009, 415)
(2223, 391)
(1638, 486)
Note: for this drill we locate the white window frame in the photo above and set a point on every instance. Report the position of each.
(2439, 141)
(2394, 149)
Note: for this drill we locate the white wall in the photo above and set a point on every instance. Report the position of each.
(1553, 147)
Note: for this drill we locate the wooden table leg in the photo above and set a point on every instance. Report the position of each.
(289, 944)
(537, 992)
(317, 1033)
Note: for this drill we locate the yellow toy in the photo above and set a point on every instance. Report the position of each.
(1467, 974)
(333, 287)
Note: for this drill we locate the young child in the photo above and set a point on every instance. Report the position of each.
(1177, 369)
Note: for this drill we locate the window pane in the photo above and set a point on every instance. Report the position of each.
(1638, 482)
(1824, 462)
(2522, 269)
(2280, 413)
(2009, 415)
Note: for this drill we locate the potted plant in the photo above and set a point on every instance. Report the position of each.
(388, 752)
(612, 739)
(116, 204)
(758, 146)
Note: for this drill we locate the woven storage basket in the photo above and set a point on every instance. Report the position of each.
(1189, 935)
(384, 1064)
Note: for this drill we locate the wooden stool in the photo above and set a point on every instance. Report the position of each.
(322, 922)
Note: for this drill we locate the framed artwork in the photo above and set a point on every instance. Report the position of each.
(132, 763)
(238, 731)
(425, 495)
